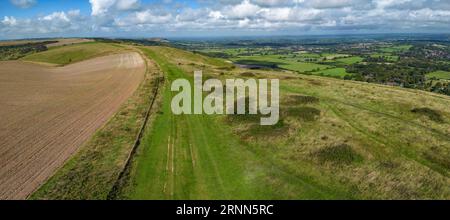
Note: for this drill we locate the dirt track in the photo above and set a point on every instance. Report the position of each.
(48, 113)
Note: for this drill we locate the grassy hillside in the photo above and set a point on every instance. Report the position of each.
(63, 55)
(198, 157)
(336, 139)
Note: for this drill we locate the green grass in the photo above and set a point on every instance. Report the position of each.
(439, 75)
(335, 72)
(64, 55)
(350, 60)
(308, 55)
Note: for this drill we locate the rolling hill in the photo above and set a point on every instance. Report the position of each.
(336, 140)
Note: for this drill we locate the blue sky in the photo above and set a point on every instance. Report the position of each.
(42, 7)
(170, 18)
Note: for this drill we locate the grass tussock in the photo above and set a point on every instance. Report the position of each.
(300, 100)
(303, 113)
(433, 115)
(276, 130)
(438, 157)
(248, 74)
(252, 124)
(341, 154)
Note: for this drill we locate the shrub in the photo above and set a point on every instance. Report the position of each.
(341, 154)
(430, 113)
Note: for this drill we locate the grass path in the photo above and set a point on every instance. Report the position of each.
(170, 158)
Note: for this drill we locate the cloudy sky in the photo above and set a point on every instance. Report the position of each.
(176, 18)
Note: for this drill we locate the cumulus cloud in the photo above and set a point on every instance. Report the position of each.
(23, 3)
(143, 18)
(102, 7)
(290, 15)
(9, 21)
(332, 3)
(54, 23)
(242, 10)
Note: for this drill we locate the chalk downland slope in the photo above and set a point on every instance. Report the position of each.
(48, 113)
(336, 140)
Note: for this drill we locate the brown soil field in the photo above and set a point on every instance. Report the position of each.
(47, 113)
(18, 42)
(69, 41)
(61, 42)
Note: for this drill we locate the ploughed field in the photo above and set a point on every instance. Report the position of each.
(47, 113)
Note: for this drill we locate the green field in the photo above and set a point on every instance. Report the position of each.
(289, 64)
(64, 55)
(335, 72)
(350, 60)
(308, 55)
(439, 75)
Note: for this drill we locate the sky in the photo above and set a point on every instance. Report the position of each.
(205, 18)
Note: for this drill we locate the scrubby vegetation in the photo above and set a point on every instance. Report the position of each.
(16, 51)
(341, 154)
(430, 113)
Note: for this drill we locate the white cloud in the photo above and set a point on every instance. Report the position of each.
(272, 3)
(9, 21)
(23, 3)
(124, 5)
(243, 10)
(146, 17)
(102, 7)
(53, 23)
(321, 4)
(56, 16)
